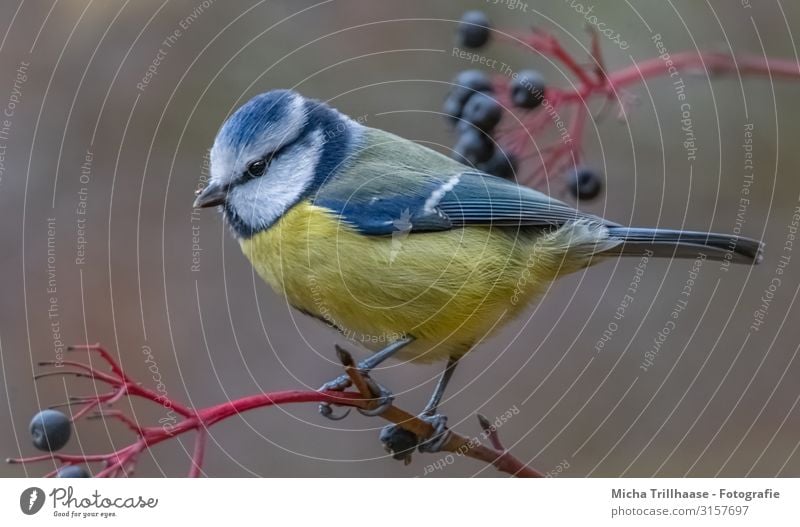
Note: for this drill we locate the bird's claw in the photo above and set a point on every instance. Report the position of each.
(436, 442)
(326, 411)
(338, 384)
(383, 396)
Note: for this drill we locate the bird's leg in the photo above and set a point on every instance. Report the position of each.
(441, 386)
(365, 366)
(398, 441)
(439, 422)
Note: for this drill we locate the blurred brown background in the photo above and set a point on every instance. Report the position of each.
(720, 399)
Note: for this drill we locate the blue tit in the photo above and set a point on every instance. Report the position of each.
(396, 245)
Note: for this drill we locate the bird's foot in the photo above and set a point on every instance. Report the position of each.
(436, 442)
(383, 396)
(401, 443)
(338, 384)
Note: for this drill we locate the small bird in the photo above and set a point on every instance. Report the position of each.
(400, 247)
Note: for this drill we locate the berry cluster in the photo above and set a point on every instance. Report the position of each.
(475, 113)
(475, 110)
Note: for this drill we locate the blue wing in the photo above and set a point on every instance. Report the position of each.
(481, 199)
(380, 192)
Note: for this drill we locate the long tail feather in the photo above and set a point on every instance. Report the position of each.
(687, 244)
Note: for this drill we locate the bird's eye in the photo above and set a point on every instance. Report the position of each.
(256, 168)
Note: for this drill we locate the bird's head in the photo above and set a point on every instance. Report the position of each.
(276, 149)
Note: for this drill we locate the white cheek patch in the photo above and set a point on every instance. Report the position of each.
(262, 201)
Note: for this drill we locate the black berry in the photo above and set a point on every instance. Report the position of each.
(50, 430)
(473, 30)
(472, 147)
(501, 164)
(72, 471)
(527, 89)
(399, 441)
(465, 84)
(472, 81)
(483, 111)
(584, 183)
(452, 108)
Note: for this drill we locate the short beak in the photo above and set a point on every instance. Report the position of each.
(211, 196)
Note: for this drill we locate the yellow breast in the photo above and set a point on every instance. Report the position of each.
(446, 289)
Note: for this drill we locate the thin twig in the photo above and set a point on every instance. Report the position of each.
(491, 433)
(199, 453)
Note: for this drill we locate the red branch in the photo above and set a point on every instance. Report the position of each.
(122, 461)
(567, 108)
